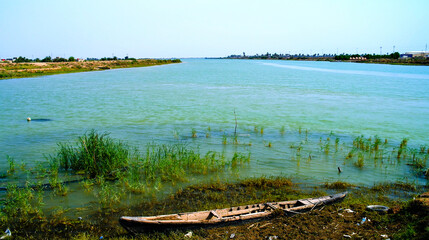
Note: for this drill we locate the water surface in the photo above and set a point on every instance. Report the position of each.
(164, 104)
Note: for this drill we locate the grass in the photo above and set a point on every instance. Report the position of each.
(282, 130)
(23, 70)
(338, 185)
(11, 162)
(410, 221)
(96, 154)
(143, 174)
(360, 161)
(175, 162)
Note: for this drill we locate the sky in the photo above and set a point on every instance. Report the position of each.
(206, 28)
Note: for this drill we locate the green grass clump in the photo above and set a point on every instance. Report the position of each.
(20, 203)
(338, 185)
(11, 169)
(95, 154)
(360, 161)
(176, 162)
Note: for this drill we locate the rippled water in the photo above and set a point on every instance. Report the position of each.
(165, 103)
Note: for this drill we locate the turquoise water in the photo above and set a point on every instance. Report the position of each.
(164, 104)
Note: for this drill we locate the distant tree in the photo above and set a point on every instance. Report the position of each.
(22, 59)
(115, 58)
(395, 55)
(342, 57)
(37, 60)
(59, 59)
(47, 59)
(71, 59)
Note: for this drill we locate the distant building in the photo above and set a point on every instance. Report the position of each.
(414, 54)
(358, 58)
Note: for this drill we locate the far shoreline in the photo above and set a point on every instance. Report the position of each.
(36, 69)
(405, 62)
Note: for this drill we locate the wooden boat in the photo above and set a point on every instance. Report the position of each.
(232, 215)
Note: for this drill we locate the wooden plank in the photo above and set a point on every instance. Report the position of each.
(214, 214)
(271, 206)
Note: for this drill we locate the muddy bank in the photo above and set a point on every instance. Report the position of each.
(407, 218)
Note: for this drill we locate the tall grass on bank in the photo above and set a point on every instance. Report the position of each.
(100, 157)
(176, 162)
(94, 154)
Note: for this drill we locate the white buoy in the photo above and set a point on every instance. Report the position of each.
(28, 119)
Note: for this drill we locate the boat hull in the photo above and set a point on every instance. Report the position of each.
(237, 215)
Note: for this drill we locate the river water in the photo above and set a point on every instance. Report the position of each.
(164, 103)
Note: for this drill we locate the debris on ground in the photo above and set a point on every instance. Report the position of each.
(188, 235)
(423, 198)
(348, 210)
(6, 234)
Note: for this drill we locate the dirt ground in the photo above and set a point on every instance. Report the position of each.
(326, 223)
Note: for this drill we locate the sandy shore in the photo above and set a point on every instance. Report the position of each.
(21, 70)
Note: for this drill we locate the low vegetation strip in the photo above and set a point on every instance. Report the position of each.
(35, 69)
(348, 219)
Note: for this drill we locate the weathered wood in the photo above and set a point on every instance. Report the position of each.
(271, 206)
(230, 215)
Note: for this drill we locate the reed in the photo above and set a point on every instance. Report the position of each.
(96, 154)
(360, 161)
(400, 150)
(326, 147)
(282, 130)
(176, 134)
(235, 139)
(11, 162)
(20, 203)
(108, 195)
(404, 143)
(337, 142)
(422, 149)
(377, 143)
(194, 133)
(224, 139)
(239, 159)
(338, 185)
(176, 162)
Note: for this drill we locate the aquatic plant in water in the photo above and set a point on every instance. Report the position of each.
(96, 154)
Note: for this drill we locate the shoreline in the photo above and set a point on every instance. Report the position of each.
(405, 62)
(37, 69)
(330, 221)
(121, 183)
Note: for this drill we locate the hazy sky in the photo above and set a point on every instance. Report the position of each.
(203, 28)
